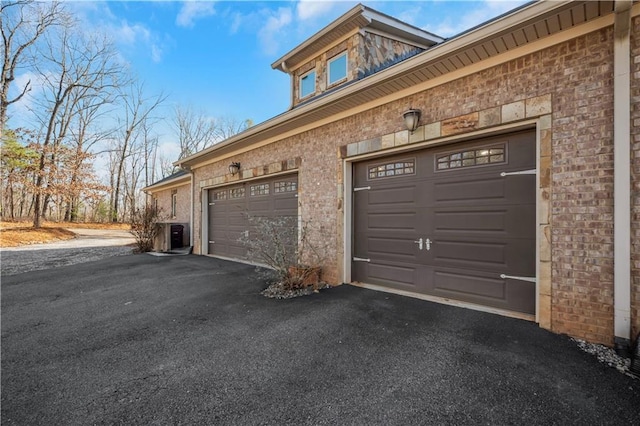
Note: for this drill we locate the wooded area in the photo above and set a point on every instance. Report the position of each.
(85, 110)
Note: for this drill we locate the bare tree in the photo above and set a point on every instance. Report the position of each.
(83, 137)
(150, 151)
(228, 126)
(74, 67)
(22, 23)
(166, 166)
(137, 110)
(195, 130)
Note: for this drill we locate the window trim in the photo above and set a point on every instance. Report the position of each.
(307, 74)
(346, 68)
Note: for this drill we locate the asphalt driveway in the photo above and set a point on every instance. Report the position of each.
(189, 340)
(89, 245)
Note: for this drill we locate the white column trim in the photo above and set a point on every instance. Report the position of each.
(622, 172)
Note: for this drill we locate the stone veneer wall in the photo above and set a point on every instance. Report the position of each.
(377, 52)
(576, 167)
(365, 55)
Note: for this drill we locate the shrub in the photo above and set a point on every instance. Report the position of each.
(286, 248)
(144, 228)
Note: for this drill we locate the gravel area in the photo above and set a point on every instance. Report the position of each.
(89, 245)
(607, 356)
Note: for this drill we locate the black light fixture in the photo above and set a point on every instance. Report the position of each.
(234, 167)
(411, 119)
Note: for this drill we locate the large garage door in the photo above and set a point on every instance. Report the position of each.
(230, 208)
(455, 222)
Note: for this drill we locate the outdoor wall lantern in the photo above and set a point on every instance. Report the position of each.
(234, 167)
(411, 119)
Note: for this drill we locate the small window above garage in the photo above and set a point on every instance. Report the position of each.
(356, 45)
(307, 84)
(337, 69)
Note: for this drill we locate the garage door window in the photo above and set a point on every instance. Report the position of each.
(220, 195)
(280, 187)
(474, 157)
(236, 193)
(262, 189)
(397, 168)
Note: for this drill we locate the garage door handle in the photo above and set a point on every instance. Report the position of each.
(522, 172)
(514, 277)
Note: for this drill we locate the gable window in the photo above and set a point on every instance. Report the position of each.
(337, 68)
(308, 84)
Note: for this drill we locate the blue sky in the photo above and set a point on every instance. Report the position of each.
(216, 56)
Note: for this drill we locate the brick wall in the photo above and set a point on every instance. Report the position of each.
(183, 211)
(578, 76)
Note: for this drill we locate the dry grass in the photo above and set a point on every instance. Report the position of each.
(14, 234)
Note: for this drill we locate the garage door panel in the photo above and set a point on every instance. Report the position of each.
(467, 253)
(468, 286)
(229, 218)
(392, 246)
(286, 206)
(392, 196)
(513, 221)
(259, 206)
(235, 218)
(394, 274)
(484, 190)
(392, 221)
(473, 221)
(511, 257)
(485, 290)
(480, 190)
(398, 246)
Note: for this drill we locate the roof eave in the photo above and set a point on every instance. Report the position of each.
(351, 15)
(167, 184)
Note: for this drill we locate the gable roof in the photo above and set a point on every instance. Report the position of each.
(358, 17)
(521, 27)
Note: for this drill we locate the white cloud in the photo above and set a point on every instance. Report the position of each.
(236, 24)
(131, 33)
(310, 9)
(192, 10)
(272, 33)
(156, 53)
(136, 35)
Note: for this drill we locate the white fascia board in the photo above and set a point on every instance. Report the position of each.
(169, 184)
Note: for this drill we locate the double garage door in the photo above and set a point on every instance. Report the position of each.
(231, 207)
(455, 222)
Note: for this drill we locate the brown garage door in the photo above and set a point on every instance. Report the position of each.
(231, 206)
(455, 222)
